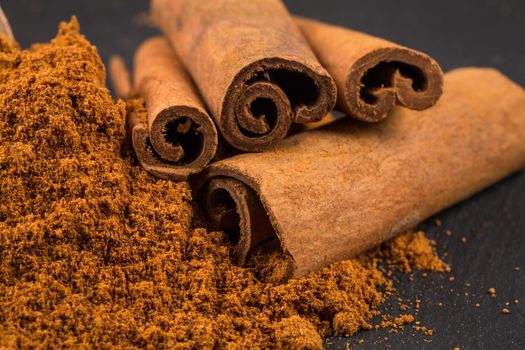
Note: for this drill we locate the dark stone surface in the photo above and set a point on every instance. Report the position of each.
(456, 33)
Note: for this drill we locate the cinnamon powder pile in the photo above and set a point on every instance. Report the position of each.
(411, 250)
(94, 252)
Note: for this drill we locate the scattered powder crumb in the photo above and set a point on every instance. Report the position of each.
(403, 319)
(492, 293)
(425, 330)
(438, 223)
(463, 239)
(418, 304)
(398, 322)
(477, 305)
(452, 278)
(516, 301)
(517, 268)
(505, 311)
(448, 232)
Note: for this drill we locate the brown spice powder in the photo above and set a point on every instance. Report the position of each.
(412, 251)
(398, 322)
(296, 333)
(94, 252)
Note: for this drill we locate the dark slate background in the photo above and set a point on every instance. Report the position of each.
(456, 33)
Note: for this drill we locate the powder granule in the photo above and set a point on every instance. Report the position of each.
(296, 333)
(412, 250)
(348, 323)
(398, 322)
(95, 253)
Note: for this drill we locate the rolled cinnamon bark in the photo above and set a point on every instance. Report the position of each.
(146, 155)
(252, 65)
(181, 133)
(372, 74)
(121, 78)
(331, 193)
(137, 136)
(5, 28)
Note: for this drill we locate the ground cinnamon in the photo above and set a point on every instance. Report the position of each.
(253, 67)
(372, 74)
(412, 250)
(333, 192)
(96, 253)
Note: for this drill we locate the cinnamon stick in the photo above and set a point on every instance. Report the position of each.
(146, 155)
(120, 77)
(5, 28)
(372, 74)
(181, 138)
(181, 132)
(253, 67)
(331, 193)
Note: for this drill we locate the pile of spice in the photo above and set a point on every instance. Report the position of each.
(94, 252)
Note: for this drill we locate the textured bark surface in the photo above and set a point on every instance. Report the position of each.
(334, 192)
(372, 74)
(120, 77)
(181, 133)
(254, 68)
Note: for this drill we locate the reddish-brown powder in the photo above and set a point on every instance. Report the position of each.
(412, 250)
(95, 253)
